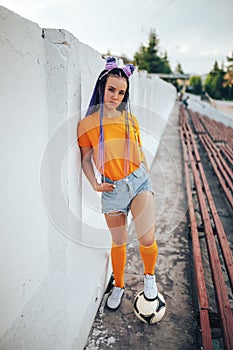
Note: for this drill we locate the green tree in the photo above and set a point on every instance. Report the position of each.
(148, 57)
(228, 77)
(214, 82)
(196, 84)
(140, 58)
(166, 65)
(179, 69)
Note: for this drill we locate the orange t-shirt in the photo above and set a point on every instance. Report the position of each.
(114, 143)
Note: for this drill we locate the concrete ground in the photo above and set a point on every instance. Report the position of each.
(226, 107)
(177, 330)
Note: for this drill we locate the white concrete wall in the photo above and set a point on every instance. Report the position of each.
(24, 248)
(54, 252)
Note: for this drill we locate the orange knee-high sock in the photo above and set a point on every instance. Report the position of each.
(149, 257)
(118, 255)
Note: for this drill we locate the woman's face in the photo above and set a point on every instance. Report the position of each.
(114, 93)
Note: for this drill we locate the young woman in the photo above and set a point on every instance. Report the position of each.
(109, 137)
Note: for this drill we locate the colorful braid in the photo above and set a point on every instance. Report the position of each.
(101, 158)
(97, 102)
(127, 143)
(92, 103)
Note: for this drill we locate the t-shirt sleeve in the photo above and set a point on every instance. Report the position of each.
(83, 138)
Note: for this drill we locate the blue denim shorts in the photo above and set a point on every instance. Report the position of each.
(126, 190)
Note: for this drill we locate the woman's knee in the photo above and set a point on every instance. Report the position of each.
(117, 227)
(147, 239)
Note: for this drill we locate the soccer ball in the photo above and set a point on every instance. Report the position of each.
(149, 311)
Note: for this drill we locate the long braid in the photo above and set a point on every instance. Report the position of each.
(134, 130)
(92, 104)
(97, 103)
(127, 142)
(101, 136)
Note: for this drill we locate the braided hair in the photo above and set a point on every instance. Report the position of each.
(97, 104)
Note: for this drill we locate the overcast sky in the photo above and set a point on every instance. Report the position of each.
(194, 33)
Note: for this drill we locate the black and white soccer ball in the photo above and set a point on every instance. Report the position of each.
(149, 312)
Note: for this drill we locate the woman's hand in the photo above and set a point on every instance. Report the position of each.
(104, 187)
(86, 156)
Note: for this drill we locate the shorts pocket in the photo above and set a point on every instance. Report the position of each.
(110, 196)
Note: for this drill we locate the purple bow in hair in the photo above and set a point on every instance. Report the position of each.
(128, 69)
(111, 63)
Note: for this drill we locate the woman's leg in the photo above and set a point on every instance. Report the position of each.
(143, 211)
(117, 225)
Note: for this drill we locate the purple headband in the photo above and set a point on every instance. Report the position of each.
(111, 63)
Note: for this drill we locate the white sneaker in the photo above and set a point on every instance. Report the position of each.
(114, 299)
(150, 287)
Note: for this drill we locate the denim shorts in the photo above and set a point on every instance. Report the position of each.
(126, 190)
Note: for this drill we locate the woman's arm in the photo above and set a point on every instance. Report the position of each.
(86, 158)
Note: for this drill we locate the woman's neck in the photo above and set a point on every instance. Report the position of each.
(112, 113)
